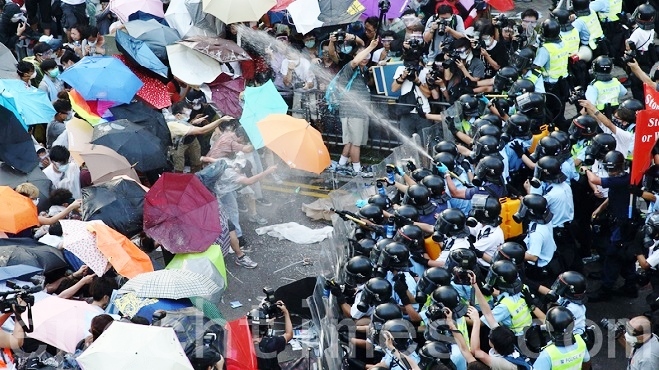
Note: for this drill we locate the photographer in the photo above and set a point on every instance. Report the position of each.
(493, 54)
(644, 344)
(343, 47)
(466, 72)
(269, 346)
(441, 28)
(8, 342)
(411, 77)
(640, 45)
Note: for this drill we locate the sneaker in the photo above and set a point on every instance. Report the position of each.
(263, 202)
(257, 219)
(277, 179)
(246, 262)
(246, 249)
(363, 173)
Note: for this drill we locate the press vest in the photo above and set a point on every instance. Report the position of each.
(607, 92)
(615, 7)
(558, 59)
(567, 361)
(571, 41)
(520, 315)
(594, 28)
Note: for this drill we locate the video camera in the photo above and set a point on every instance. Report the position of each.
(501, 21)
(269, 305)
(629, 55)
(9, 301)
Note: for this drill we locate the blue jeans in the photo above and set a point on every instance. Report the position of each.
(229, 205)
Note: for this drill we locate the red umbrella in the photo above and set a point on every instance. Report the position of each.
(181, 214)
(281, 5)
(240, 354)
(502, 5)
(153, 92)
(225, 92)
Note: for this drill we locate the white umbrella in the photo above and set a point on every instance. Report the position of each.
(305, 15)
(172, 284)
(191, 66)
(233, 11)
(129, 346)
(178, 17)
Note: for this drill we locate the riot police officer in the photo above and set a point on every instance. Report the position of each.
(488, 180)
(590, 29)
(571, 42)
(605, 90)
(567, 351)
(452, 232)
(484, 225)
(541, 247)
(569, 290)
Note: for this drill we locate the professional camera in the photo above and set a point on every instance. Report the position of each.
(413, 54)
(500, 21)
(432, 76)
(453, 55)
(616, 328)
(629, 55)
(269, 305)
(340, 36)
(9, 300)
(576, 94)
(384, 5)
(442, 23)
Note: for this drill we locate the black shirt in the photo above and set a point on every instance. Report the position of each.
(499, 55)
(266, 354)
(618, 196)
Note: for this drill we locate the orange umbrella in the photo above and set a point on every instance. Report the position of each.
(125, 257)
(295, 141)
(17, 212)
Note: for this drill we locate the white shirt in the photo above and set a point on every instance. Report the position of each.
(450, 244)
(407, 87)
(642, 38)
(68, 180)
(488, 240)
(302, 70)
(624, 139)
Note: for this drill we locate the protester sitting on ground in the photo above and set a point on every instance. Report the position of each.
(76, 34)
(50, 83)
(61, 172)
(98, 325)
(63, 112)
(68, 59)
(93, 44)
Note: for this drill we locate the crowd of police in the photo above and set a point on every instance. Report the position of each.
(477, 259)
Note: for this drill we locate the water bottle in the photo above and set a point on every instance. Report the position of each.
(390, 228)
(391, 176)
(380, 186)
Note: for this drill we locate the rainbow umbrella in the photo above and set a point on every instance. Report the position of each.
(85, 110)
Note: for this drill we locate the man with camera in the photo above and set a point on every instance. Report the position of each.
(441, 28)
(465, 72)
(643, 344)
(268, 346)
(639, 46)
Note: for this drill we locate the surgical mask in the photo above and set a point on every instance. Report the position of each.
(346, 49)
(18, 17)
(35, 201)
(310, 43)
(488, 41)
(53, 73)
(464, 55)
(34, 74)
(630, 339)
(196, 107)
(92, 43)
(69, 116)
(63, 167)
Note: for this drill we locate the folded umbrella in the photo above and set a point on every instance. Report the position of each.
(27, 251)
(124, 8)
(154, 34)
(153, 92)
(220, 49)
(126, 258)
(191, 66)
(12, 178)
(119, 203)
(225, 93)
(7, 64)
(19, 272)
(259, 103)
(77, 239)
(140, 147)
(62, 323)
(16, 145)
(181, 214)
(304, 14)
(179, 17)
(102, 78)
(173, 284)
(234, 11)
(104, 164)
(295, 142)
(240, 353)
(33, 105)
(142, 115)
(138, 52)
(17, 212)
(129, 346)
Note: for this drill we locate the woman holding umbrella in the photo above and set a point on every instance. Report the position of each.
(31, 191)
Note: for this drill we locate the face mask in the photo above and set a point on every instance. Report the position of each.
(35, 201)
(310, 43)
(346, 49)
(464, 55)
(196, 107)
(18, 17)
(488, 42)
(53, 73)
(69, 116)
(34, 74)
(92, 44)
(63, 167)
(632, 340)
(618, 122)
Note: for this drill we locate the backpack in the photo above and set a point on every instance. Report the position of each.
(522, 362)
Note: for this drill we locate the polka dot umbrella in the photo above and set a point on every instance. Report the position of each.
(153, 92)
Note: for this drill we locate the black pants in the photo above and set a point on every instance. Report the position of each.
(42, 8)
(615, 37)
(568, 249)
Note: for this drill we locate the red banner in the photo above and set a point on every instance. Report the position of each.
(647, 133)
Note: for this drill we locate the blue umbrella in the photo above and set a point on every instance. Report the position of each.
(103, 78)
(31, 106)
(139, 53)
(260, 102)
(20, 272)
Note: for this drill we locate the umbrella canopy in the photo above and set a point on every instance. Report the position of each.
(181, 214)
(135, 142)
(183, 16)
(20, 272)
(281, 5)
(17, 212)
(190, 325)
(124, 8)
(62, 323)
(125, 257)
(295, 141)
(33, 105)
(140, 114)
(27, 251)
(396, 9)
(173, 284)
(153, 92)
(304, 14)
(130, 305)
(259, 103)
(234, 11)
(129, 346)
(240, 353)
(79, 240)
(191, 66)
(225, 94)
(138, 52)
(220, 49)
(213, 254)
(334, 12)
(16, 146)
(102, 78)
(203, 266)
(79, 134)
(84, 109)
(119, 203)
(7, 64)
(154, 34)
(12, 178)
(104, 164)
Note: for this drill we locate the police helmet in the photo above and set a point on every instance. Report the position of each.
(408, 212)
(510, 251)
(446, 159)
(532, 104)
(447, 296)
(571, 285)
(519, 126)
(523, 59)
(502, 275)
(418, 195)
(534, 208)
(602, 68)
(431, 279)
(505, 78)
(451, 222)
(614, 162)
(363, 247)
(651, 179)
(644, 16)
(548, 145)
(489, 168)
(559, 322)
(446, 147)
(563, 17)
(377, 250)
(486, 209)
(489, 129)
(462, 258)
(403, 333)
(581, 7)
(651, 228)
(502, 105)
(551, 30)
(521, 86)
(601, 145)
(469, 105)
(383, 313)
(381, 201)
(358, 270)
(379, 289)
(486, 146)
(420, 173)
(372, 213)
(435, 352)
(583, 127)
(395, 256)
(412, 237)
(563, 141)
(435, 184)
(549, 169)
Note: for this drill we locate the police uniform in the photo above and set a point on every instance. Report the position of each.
(553, 58)
(559, 201)
(511, 311)
(594, 28)
(601, 93)
(571, 41)
(607, 11)
(578, 311)
(411, 287)
(540, 243)
(449, 244)
(536, 78)
(488, 239)
(569, 357)
(354, 312)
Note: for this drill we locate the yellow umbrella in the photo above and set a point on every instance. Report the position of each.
(79, 134)
(295, 142)
(233, 11)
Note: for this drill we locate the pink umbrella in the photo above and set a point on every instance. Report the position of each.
(80, 241)
(396, 9)
(225, 92)
(62, 323)
(281, 5)
(124, 8)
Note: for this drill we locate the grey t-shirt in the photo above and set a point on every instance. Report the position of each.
(646, 356)
(53, 130)
(355, 99)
